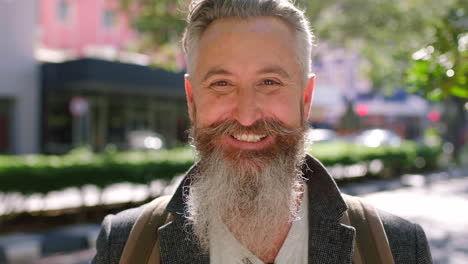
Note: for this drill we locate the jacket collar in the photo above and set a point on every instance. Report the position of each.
(325, 197)
(329, 241)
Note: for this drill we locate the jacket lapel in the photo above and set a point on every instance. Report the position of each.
(177, 245)
(330, 243)
(329, 240)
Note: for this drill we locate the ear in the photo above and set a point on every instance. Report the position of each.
(188, 94)
(307, 96)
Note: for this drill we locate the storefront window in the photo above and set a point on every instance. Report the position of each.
(57, 125)
(109, 19)
(63, 11)
(116, 125)
(5, 118)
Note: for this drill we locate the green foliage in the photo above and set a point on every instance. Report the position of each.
(402, 157)
(160, 24)
(440, 69)
(162, 20)
(386, 33)
(41, 173)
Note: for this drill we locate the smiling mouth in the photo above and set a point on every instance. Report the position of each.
(252, 138)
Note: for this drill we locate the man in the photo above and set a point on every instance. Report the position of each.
(254, 196)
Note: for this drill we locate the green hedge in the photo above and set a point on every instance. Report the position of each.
(407, 156)
(41, 173)
(44, 173)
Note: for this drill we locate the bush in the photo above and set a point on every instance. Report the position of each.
(41, 173)
(44, 173)
(407, 156)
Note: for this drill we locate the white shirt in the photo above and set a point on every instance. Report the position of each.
(226, 249)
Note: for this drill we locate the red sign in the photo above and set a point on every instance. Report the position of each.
(362, 110)
(434, 115)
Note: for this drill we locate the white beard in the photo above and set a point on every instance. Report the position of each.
(253, 203)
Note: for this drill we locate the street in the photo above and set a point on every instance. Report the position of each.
(440, 208)
(439, 205)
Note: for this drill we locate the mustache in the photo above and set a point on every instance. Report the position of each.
(265, 126)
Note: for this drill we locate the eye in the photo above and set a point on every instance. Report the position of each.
(221, 87)
(270, 82)
(219, 83)
(269, 86)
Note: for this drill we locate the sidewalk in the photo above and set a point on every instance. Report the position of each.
(442, 211)
(438, 202)
(31, 247)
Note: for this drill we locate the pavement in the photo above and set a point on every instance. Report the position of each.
(58, 246)
(437, 201)
(86, 196)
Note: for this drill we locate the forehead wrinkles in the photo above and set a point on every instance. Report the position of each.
(228, 34)
(259, 25)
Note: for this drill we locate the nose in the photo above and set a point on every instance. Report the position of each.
(247, 111)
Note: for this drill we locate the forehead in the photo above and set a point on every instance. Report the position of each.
(256, 25)
(250, 43)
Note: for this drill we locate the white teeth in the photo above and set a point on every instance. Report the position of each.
(248, 137)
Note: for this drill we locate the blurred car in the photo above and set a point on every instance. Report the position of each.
(378, 137)
(145, 140)
(321, 135)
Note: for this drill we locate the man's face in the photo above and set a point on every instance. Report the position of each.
(247, 71)
(248, 101)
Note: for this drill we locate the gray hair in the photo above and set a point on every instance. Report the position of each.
(202, 13)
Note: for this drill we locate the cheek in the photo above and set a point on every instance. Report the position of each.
(209, 110)
(287, 109)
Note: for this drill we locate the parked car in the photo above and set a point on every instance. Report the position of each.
(145, 140)
(377, 137)
(321, 135)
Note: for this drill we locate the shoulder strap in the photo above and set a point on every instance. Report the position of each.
(143, 243)
(372, 245)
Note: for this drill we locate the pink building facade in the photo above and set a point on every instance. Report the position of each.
(77, 25)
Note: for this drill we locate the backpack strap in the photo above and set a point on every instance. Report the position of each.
(372, 244)
(142, 244)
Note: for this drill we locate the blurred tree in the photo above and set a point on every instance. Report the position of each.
(440, 71)
(160, 23)
(385, 32)
(349, 121)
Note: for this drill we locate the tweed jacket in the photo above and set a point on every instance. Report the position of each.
(329, 240)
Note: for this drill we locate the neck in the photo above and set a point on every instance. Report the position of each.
(268, 256)
(277, 241)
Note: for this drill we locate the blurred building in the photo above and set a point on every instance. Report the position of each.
(344, 100)
(338, 80)
(98, 102)
(19, 93)
(81, 28)
(95, 92)
(402, 113)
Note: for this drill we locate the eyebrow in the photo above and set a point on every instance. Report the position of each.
(276, 69)
(216, 71)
